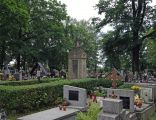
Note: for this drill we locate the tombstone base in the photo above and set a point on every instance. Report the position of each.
(108, 116)
(145, 112)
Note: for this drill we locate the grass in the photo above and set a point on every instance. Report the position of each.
(153, 117)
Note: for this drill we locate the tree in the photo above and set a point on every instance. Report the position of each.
(151, 53)
(13, 19)
(45, 32)
(131, 19)
(84, 32)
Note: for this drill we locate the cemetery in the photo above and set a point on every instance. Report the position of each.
(75, 96)
(78, 60)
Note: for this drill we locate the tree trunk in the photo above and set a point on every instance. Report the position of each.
(2, 55)
(18, 62)
(135, 52)
(135, 59)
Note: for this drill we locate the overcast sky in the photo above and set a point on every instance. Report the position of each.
(83, 9)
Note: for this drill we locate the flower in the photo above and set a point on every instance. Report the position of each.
(136, 88)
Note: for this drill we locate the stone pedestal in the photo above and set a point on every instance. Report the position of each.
(113, 106)
(108, 116)
(112, 109)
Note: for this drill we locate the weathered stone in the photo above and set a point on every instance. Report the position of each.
(77, 63)
(108, 116)
(147, 94)
(52, 114)
(121, 94)
(113, 106)
(77, 97)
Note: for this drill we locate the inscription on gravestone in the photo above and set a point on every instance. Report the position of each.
(125, 102)
(75, 68)
(73, 95)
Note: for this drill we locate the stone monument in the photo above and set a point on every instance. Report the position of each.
(77, 97)
(77, 63)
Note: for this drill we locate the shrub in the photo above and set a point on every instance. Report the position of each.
(91, 114)
(125, 86)
(29, 82)
(34, 97)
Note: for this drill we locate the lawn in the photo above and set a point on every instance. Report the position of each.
(153, 117)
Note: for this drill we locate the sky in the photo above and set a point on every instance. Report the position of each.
(83, 9)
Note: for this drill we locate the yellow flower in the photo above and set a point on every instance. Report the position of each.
(134, 87)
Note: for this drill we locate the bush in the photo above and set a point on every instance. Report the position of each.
(91, 114)
(125, 86)
(29, 82)
(34, 97)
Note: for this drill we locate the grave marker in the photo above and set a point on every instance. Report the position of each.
(76, 97)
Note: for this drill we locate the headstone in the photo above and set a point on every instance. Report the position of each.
(127, 96)
(77, 63)
(18, 75)
(113, 106)
(76, 97)
(112, 109)
(147, 94)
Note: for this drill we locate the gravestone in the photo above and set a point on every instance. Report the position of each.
(127, 96)
(76, 97)
(77, 63)
(112, 110)
(113, 106)
(18, 75)
(147, 94)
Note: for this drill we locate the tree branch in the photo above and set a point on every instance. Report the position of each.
(133, 7)
(143, 14)
(148, 35)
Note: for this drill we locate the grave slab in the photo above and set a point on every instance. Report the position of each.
(52, 114)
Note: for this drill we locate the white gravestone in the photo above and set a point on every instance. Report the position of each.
(77, 97)
(147, 94)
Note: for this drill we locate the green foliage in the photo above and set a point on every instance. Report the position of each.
(151, 53)
(84, 32)
(130, 29)
(102, 93)
(40, 30)
(29, 82)
(125, 86)
(153, 117)
(27, 98)
(91, 114)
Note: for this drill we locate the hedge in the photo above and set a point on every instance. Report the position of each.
(125, 86)
(29, 82)
(34, 97)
